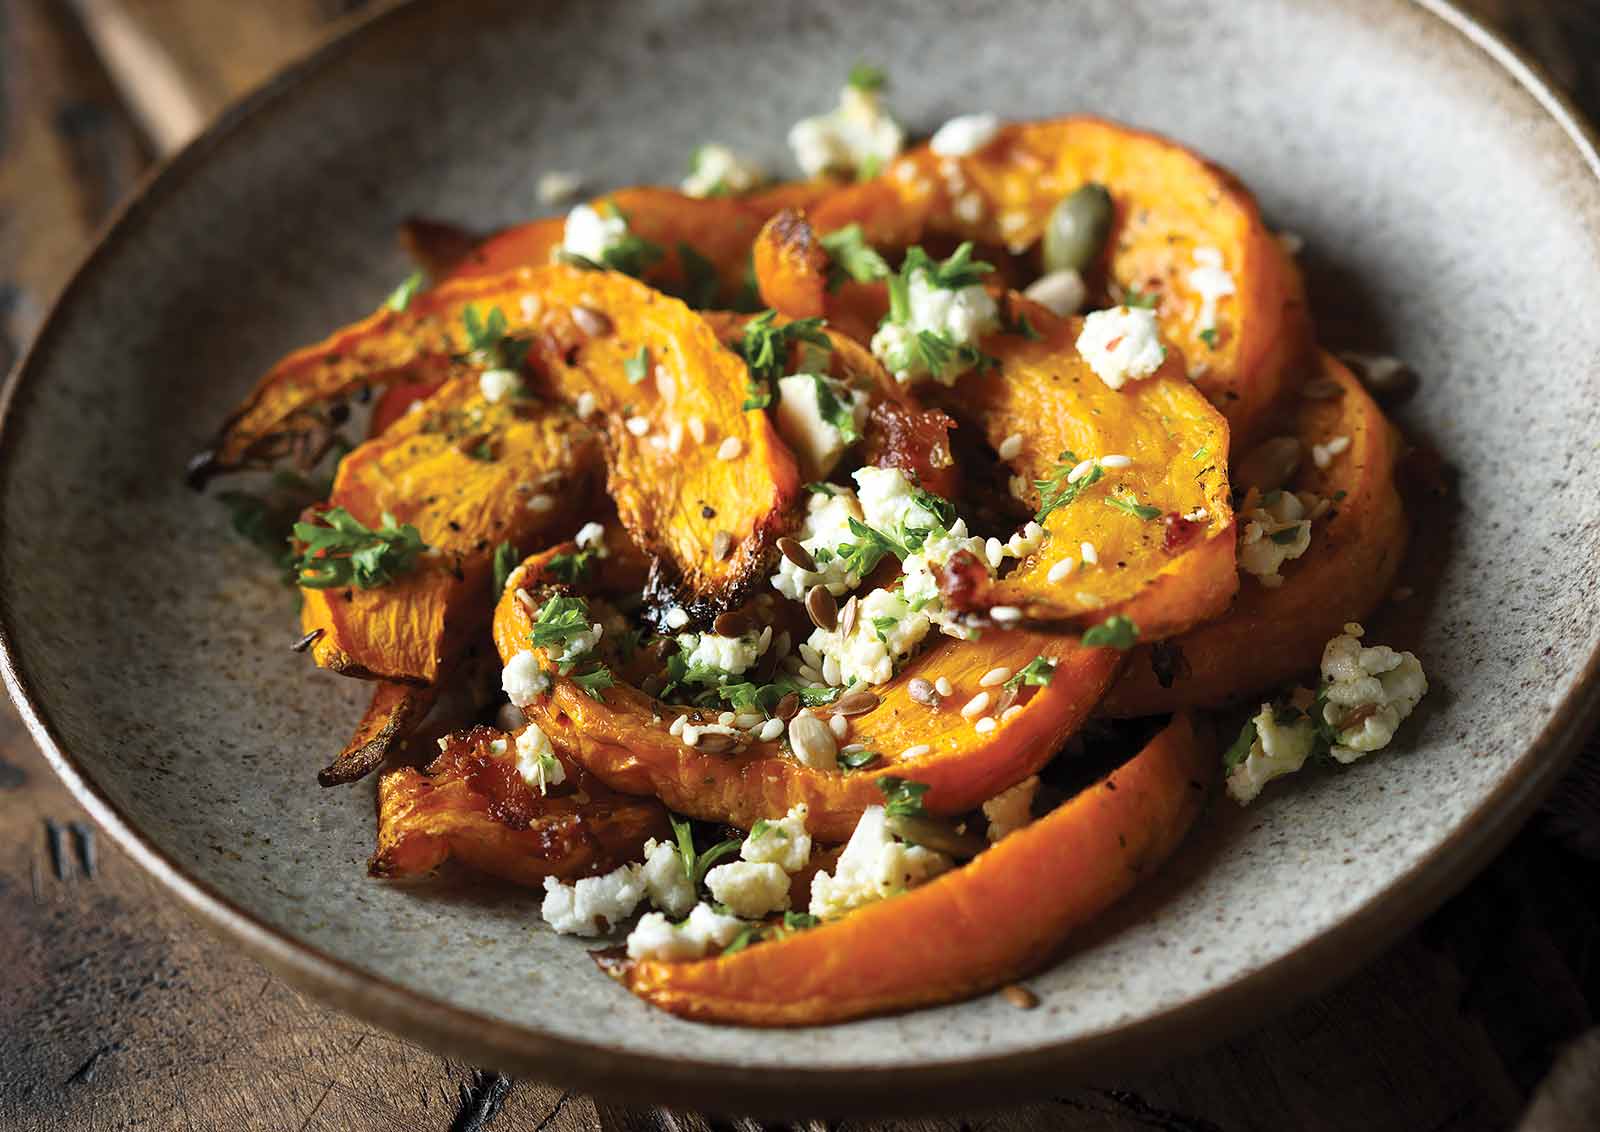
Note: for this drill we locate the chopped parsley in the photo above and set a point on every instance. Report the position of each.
(1115, 632)
(631, 254)
(853, 257)
(748, 696)
(957, 271)
(506, 557)
(1209, 336)
(400, 298)
(267, 520)
(560, 621)
(765, 350)
(1133, 297)
(1240, 748)
(347, 552)
(637, 368)
(839, 413)
(1039, 672)
(1054, 490)
(799, 921)
(595, 682)
(867, 78)
(1132, 507)
(1022, 328)
(489, 341)
(695, 864)
(858, 760)
(571, 568)
(872, 545)
(821, 489)
(902, 797)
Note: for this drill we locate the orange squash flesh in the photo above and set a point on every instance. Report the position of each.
(968, 931)
(473, 806)
(422, 471)
(625, 740)
(1272, 636)
(1165, 573)
(1169, 201)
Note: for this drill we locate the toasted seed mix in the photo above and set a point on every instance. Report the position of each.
(812, 741)
(855, 703)
(792, 550)
(788, 707)
(822, 607)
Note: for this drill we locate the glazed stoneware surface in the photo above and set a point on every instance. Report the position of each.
(1448, 216)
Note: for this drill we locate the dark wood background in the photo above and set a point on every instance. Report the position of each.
(118, 1011)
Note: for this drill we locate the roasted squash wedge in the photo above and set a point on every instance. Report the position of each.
(1273, 635)
(473, 805)
(624, 738)
(994, 920)
(390, 718)
(1150, 539)
(1169, 204)
(469, 474)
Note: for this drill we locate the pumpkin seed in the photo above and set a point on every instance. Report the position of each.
(716, 743)
(941, 836)
(787, 707)
(1020, 997)
(792, 550)
(734, 623)
(592, 322)
(823, 609)
(847, 616)
(855, 703)
(1077, 229)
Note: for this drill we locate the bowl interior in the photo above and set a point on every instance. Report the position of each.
(1447, 217)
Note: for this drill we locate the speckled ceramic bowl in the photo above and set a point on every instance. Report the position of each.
(1451, 212)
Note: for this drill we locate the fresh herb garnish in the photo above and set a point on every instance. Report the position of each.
(506, 557)
(902, 797)
(1054, 490)
(595, 682)
(400, 298)
(631, 254)
(856, 760)
(839, 413)
(1039, 672)
(868, 78)
(1133, 507)
(1115, 632)
(1022, 327)
(958, 270)
(1209, 336)
(346, 551)
(561, 620)
(871, 545)
(571, 568)
(696, 865)
(765, 350)
(853, 257)
(799, 921)
(637, 368)
(1133, 297)
(1240, 748)
(821, 489)
(489, 341)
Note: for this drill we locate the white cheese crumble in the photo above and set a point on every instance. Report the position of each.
(715, 170)
(886, 632)
(666, 881)
(859, 134)
(591, 536)
(732, 655)
(536, 760)
(959, 317)
(594, 905)
(780, 841)
(1062, 291)
(826, 526)
(873, 866)
(1010, 810)
(1278, 531)
(964, 134)
(591, 234)
(1122, 344)
(1278, 749)
(656, 937)
(1211, 281)
(498, 384)
(889, 501)
(818, 442)
(521, 679)
(750, 889)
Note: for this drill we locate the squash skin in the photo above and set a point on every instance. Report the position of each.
(1272, 636)
(968, 931)
(625, 742)
(390, 718)
(1168, 200)
(473, 806)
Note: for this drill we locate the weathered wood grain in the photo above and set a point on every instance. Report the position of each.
(117, 1011)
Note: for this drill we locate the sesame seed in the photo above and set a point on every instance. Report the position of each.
(985, 725)
(1115, 461)
(1198, 515)
(1081, 469)
(1010, 713)
(540, 503)
(810, 655)
(1011, 447)
(830, 671)
(1005, 613)
(638, 425)
(994, 550)
(730, 448)
(1061, 570)
(977, 705)
(1090, 554)
(747, 721)
(915, 752)
(697, 429)
(770, 730)
(943, 686)
(690, 736)
(585, 405)
(994, 676)
(664, 383)
(1018, 486)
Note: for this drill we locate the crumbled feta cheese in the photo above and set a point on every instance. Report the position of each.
(536, 760)
(1122, 344)
(558, 187)
(958, 317)
(1279, 531)
(817, 441)
(1368, 692)
(889, 501)
(580, 644)
(1212, 283)
(780, 841)
(873, 866)
(591, 536)
(732, 655)
(859, 133)
(521, 679)
(666, 881)
(715, 170)
(591, 235)
(654, 937)
(498, 384)
(886, 632)
(1279, 749)
(1010, 810)
(826, 526)
(964, 134)
(751, 889)
(1062, 291)
(677, 617)
(595, 905)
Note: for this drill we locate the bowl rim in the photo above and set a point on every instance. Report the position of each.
(689, 1082)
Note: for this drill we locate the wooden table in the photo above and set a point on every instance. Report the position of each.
(118, 1011)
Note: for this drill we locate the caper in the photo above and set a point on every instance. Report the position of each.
(1077, 229)
(932, 833)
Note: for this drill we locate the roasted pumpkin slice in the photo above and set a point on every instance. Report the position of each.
(473, 805)
(469, 474)
(1185, 234)
(990, 922)
(1130, 486)
(1275, 634)
(796, 276)
(626, 738)
(391, 717)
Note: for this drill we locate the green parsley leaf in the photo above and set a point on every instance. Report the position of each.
(1287, 536)
(560, 620)
(1133, 507)
(882, 625)
(695, 864)
(868, 78)
(871, 165)
(821, 489)
(857, 760)
(1209, 336)
(489, 341)
(1200, 452)
(1133, 297)
(506, 557)
(901, 796)
(799, 921)
(571, 568)
(761, 827)
(400, 298)
(637, 368)
(699, 278)
(853, 257)
(1240, 748)
(748, 934)
(1054, 490)
(632, 254)
(956, 271)
(1115, 632)
(345, 551)
(1022, 328)
(765, 350)
(1039, 672)
(595, 682)
(839, 413)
